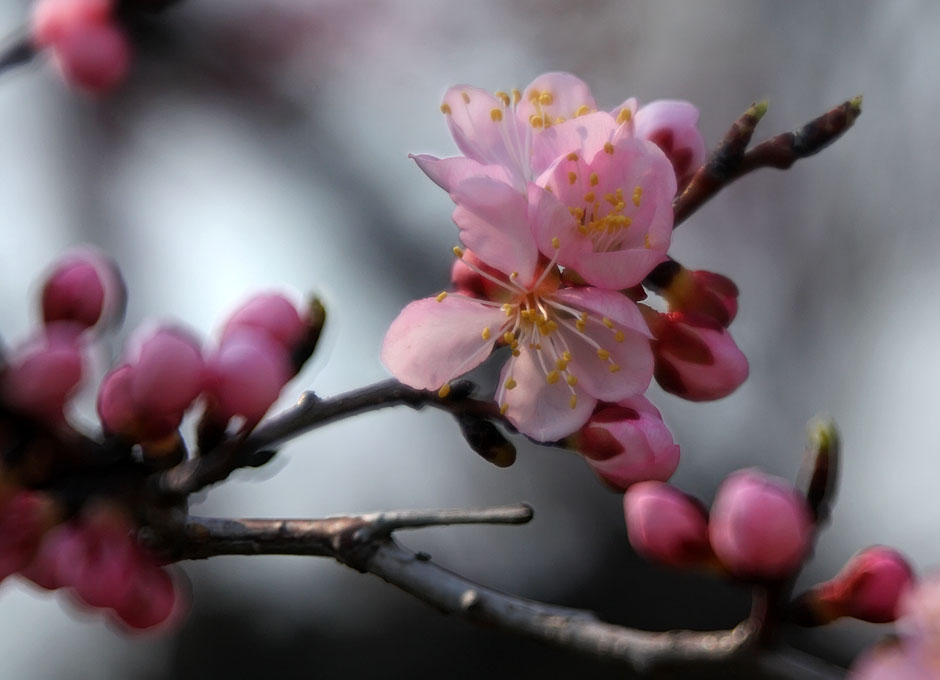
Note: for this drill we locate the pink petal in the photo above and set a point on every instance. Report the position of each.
(480, 135)
(447, 173)
(605, 303)
(584, 136)
(627, 127)
(626, 372)
(494, 223)
(536, 408)
(433, 342)
(618, 269)
(568, 94)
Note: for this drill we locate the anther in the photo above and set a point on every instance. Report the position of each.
(603, 354)
(486, 333)
(607, 322)
(608, 147)
(445, 108)
(440, 296)
(552, 377)
(594, 180)
(573, 402)
(646, 242)
(618, 336)
(572, 177)
(508, 337)
(503, 97)
(496, 115)
(465, 97)
(536, 121)
(637, 195)
(516, 96)
(444, 391)
(503, 409)
(582, 110)
(510, 383)
(589, 197)
(614, 368)
(556, 244)
(572, 156)
(458, 251)
(624, 116)
(546, 99)
(572, 379)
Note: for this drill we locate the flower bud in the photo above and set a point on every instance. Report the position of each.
(703, 293)
(627, 442)
(666, 526)
(24, 518)
(84, 287)
(760, 527)
(41, 375)
(94, 57)
(121, 416)
(466, 276)
(696, 358)
(271, 313)
(53, 19)
(168, 372)
(153, 600)
(246, 375)
(869, 587)
(673, 127)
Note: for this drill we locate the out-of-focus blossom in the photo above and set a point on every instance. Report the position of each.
(696, 357)
(673, 126)
(24, 518)
(271, 313)
(83, 287)
(667, 526)
(42, 374)
(168, 371)
(627, 442)
(760, 527)
(869, 587)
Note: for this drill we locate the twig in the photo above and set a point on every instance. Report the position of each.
(18, 52)
(364, 543)
(311, 412)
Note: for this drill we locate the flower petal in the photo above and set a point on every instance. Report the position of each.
(536, 408)
(448, 172)
(615, 371)
(605, 303)
(555, 95)
(433, 342)
(584, 136)
(494, 223)
(485, 130)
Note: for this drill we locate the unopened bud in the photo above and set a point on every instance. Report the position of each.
(760, 527)
(169, 372)
(696, 357)
(84, 287)
(627, 442)
(869, 587)
(667, 526)
(486, 439)
(702, 293)
(41, 376)
(673, 127)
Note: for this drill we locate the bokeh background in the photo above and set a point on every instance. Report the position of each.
(263, 144)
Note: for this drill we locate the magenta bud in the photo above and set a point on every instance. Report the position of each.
(41, 376)
(703, 293)
(869, 587)
(673, 127)
(93, 57)
(627, 442)
(696, 357)
(53, 19)
(247, 374)
(666, 525)
(271, 313)
(84, 287)
(760, 527)
(154, 598)
(24, 518)
(168, 372)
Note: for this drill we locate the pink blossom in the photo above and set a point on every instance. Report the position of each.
(53, 19)
(94, 57)
(246, 374)
(869, 587)
(41, 375)
(760, 527)
(84, 287)
(627, 442)
(120, 414)
(673, 127)
(168, 371)
(696, 357)
(666, 526)
(272, 313)
(569, 346)
(24, 518)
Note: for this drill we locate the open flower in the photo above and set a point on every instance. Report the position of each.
(570, 347)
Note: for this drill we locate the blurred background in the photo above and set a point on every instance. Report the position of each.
(263, 144)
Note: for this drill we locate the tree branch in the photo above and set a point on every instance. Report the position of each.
(19, 51)
(311, 412)
(365, 543)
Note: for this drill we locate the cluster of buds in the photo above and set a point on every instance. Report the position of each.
(70, 507)
(564, 212)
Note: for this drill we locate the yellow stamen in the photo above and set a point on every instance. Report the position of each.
(637, 195)
(496, 115)
(509, 338)
(618, 336)
(510, 383)
(556, 244)
(507, 309)
(614, 368)
(440, 296)
(572, 177)
(608, 147)
(445, 108)
(594, 180)
(486, 333)
(534, 95)
(603, 353)
(589, 197)
(546, 99)
(582, 110)
(646, 242)
(536, 121)
(516, 96)
(444, 391)
(572, 156)
(573, 402)
(503, 409)
(465, 97)
(552, 377)
(458, 251)
(503, 97)
(624, 116)
(607, 322)
(572, 379)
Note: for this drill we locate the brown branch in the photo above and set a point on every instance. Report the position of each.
(19, 51)
(364, 542)
(308, 413)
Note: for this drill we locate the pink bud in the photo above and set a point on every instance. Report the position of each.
(869, 587)
(53, 564)
(94, 57)
(153, 600)
(247, 374)
(24, 518)
(168, 372)
(104, 571)
(42, 374)
(271, 313)
(628, 442)
(673, 127)
(666, 526)
(696, 358)
(760, 527)
(83, 287)
(703, 293)
(52, 19)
